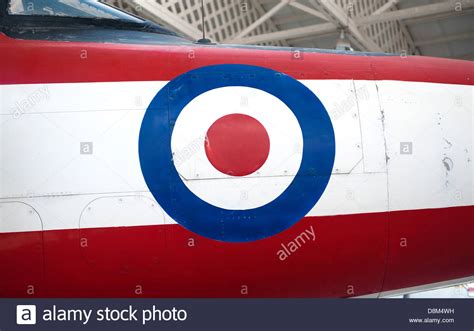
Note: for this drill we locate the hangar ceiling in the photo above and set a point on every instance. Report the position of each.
(442, 28)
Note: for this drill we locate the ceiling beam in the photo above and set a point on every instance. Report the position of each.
(439, 17)
(270, 22)
(262, 19)
(345, 21)
(314, 30)
(416, 12)
(445, 39)
(385, 7)
(308, 10)
(300, 17)
(315, 39)
(159, 12)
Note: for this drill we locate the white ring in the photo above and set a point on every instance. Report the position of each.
(221, 190)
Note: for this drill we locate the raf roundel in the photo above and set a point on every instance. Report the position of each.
(235, 152)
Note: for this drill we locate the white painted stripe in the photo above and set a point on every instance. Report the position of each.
(41, 162)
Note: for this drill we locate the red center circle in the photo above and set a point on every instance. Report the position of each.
(237, 144)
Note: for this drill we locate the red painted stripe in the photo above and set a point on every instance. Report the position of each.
(29, 61)
(430, 246)
(349, 253)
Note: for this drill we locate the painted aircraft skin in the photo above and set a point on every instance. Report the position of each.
(133, 170)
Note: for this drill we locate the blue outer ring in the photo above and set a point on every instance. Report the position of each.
(236, 225)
